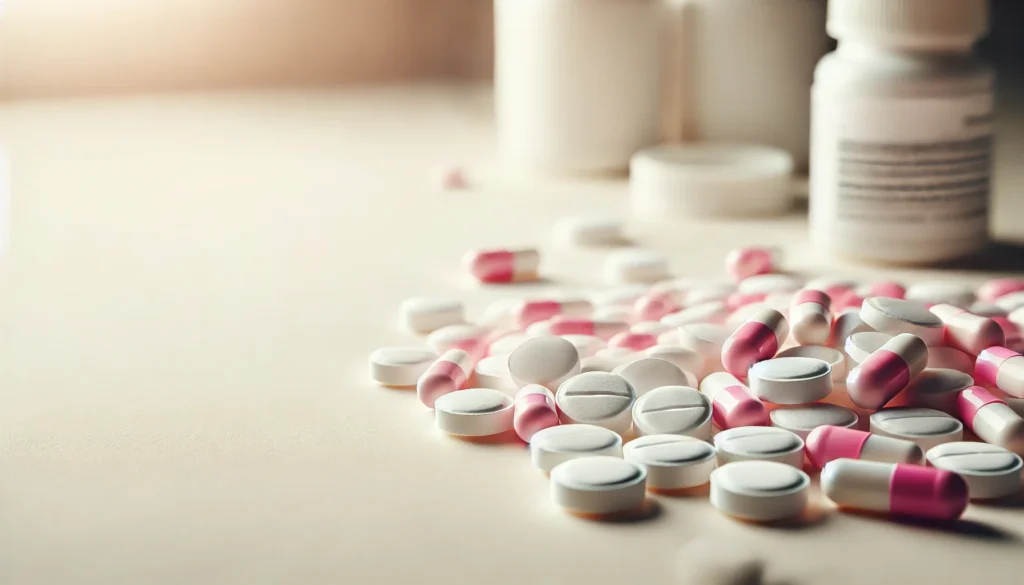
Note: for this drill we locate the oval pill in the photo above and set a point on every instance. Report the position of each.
(590, 231)
(557, 444)
(760, 443)
(1002, 368)
(425, 314)
(673, 410)
(895, 488)
(709, 312)
(967, 332)
(801, 420)
(828, 443)
(706, 339)
(791, 380)
(757, 339)
(991, 418)
(732, 403)
(887, 371)
(476, 412)
(400, 366)
(534, 411)
(925, 427)
(598, 485)
(672, 461)
(769, 283)
(448, 374)
(762, 491)
(810, 320)
(640, 266)
(833, 357)
(895, 316)
(596, 398)
(503, 266)
(989, 470)
(546, 360)
(647, 373)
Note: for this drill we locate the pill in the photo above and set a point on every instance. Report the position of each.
(930, 293)
(791, 380)
(546, 360)
(424, 314)
(698, 295)
(498, 314)
(999, 287)
(605, 329)
(757, 339)
(672, 462)
(950, 358)
(607, 359)
(653, 327)
(447, 374)
(898, 489)
(801, 420)
(586, 345)
(743, 263)
(987, 309)
(654, 306)
(476, 412)
(596, 398)
(809, 318)
(830, 285)
(769, 283)
(558, 444)
(501, 266)
(706, 339)
(709, 312)
(451, 178)
(685, 359)
(633, 341)
(925, 427)
(673, 410)
(598, 485)
(833, 357)
(828, 443)
(739, 300)
(400, 367)
(590, 231)
(492, 372)
(890, 289)
(990, 418)
(467, 337)
(732, 403)
(845, 324)
(860, 345)
(533, 411)
(743, 314)
(968, 332)
(613, 313)
(895, 316)
(762, 491)
(1002, 368)
(647, 373)
(761, 443)
(622, 296)
(846, 301)
(886, 371)
(989, 470)
(669, 338)
(937, 388)
(532, 311)
(1011, 302)
(677, 287)
(507, 344)
(646, 266)
(780, 301)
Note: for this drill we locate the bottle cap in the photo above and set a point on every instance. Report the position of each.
(909, 23)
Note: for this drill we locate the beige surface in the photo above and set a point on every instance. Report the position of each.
(192, 288)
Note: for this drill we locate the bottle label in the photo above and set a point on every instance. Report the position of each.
(901, 179)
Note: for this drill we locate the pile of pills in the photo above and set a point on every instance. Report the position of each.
(659, 385)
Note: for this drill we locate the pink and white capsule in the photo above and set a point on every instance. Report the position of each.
(999, 287)
(654, 306)
(739, 300)
(886, 371)
(990, 418)
(1003, 369)
(828, 443)
(448, 374)
(810, 320)
(746, 262)
(633, 341)
(898, 489)
(968, 332)
(534, 311)
(757, 339)
(603, 328)
(497, 266)
(732, 403)
(534, 411)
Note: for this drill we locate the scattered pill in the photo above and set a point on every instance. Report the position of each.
(558, 444)
(709, 312)
(987, 309)
(845, 324)
(890, 289)
(830, 285)
(895, 488)
(810, 321)
(622, 296)
(846, 301)
(590, 231)
(645, 266)
(532, 311)
(614, 313)
(743, 263)
(706, 339)
(673, 410)
(602, 328)
(492, 372)
(598, 485)
(791, 380)
(400, 367)
(633, 341)
(546, 360)
(1011, 302)
(967, 332)
(941, 292)
(466, 337)
(991, 418)
(607, 359)
(672, 461)
(685, 359)
(451, 178)
(833, 357)
(654, 306)
(886, 371)
(950, 358)
(477, 412)
(925, 427)
(1002, 368)
(596, 398)
(895, 316)
(769, 283)
(732, 403)
(669, 338)
(756, 340)
(498, 315)
(828, 443)
(507, 344)
(762, 491)
(448, 374)
(744, 313)
(761, 443)
(424, 314)
(989, 470)
(586, 345)
(739, 300)
(801, 420)
(698, 295)
(502, 266)
(652, 327)
(647, 373)
(937, 388)
(999, 287)
(860, 345)
(533, 411)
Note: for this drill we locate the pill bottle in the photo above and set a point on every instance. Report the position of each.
(576, 82)
(901, 132)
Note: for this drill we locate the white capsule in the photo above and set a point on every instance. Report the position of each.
(672, 461)
(623, 296)
(400, 366)
(598, 485)
(925, 427)
(673, 410)
(939, 292)
(762, 491)
(424, 314)
(833, 357)
(791, 380)
(596, 398)
(801, 420)
(860, 345)
(547, 361)
(647, 373)
(476, 412)
(761, 443)
(810, 321)
(968, 332)
(896, 316)
(554, 445)
(683, 358)
(642, 266)
(989, 470)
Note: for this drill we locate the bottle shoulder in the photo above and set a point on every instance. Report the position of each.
(898, 74)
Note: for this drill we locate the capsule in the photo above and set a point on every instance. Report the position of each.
(889, 288)
(603, 328)
(497, 266)
(533, 311)
(732, 403)
(738, 300)
(990, 418)
(848, 300)
(709, 312)
(886, 371)
(534, 411)
(999, 287)
(654, 306)
(1002, 368)
(746, 262)
(968, 332)
(898, 489)
(633, 341)
(828, 443)
(757, 339)
(810, 318)
(448, 374)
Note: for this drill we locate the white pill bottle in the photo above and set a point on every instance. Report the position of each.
(576, 82)
(901, 132)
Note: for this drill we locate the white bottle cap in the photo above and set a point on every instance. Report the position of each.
(909, 23)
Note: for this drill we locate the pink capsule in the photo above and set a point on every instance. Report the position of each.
(999, 287)
(1002, 368)
(534, 411)
(633, 341)
(809, 317)
(990, 418)
(893, 290)
(603, 328)
(746, 262)
(497, 266)
(828, 443)
(886, 371)
(654, 306)
(757, 339)
(530, 312)
(899, 489)
(448, 374)
(968, 332)
(732, 403)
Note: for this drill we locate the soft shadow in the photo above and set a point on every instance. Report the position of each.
(999, 257)
(1014, 501)
(812, 517)
(539, 281)
(962, 527)
(508, 437)
(399, 388)
(650, 510)
(700, 491)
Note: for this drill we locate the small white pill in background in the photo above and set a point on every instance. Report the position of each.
(833, 357)
(498, 266)
(683, 358)
(765, 284)
(586, 345)
(492, 372)
(925, 427)
(744, 313)
(950, 358)
(709, 312)
(477, 412)
(669, 338)
(801, 420)
(894, 316)
(506, 344)
(590, 231)
(743, 263)
(810, 321)
(598, 485)
(987, 309)
(425, 314)
(860, 345)
(938, 292)
(673, 410)
(761, 491)
(698, 295)
(558, 444)
(607, 359)
(672, 462)
(790, 380)
(648, 373)
(547, 361)
(596, 398)
(937, 389)
(400, 366)
(760, 443)
(499, 314)
(467, 337)
(613, 314)
(989, 470)
(645, 266)
(621, 296)
(707, 340)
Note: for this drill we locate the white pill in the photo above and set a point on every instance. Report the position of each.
(833, 357)
(492, 372)
(598, 485)
(673, 410)
(622, 296)
(621, 314)
(644, 266)
(761, 443)
(466, 337)
(744, 313)
(506, 344)
(769, 283)
(555, 445)
(586, 345)
(477, 412)
(672, 461)
(846, 324)
(801, 420)
(607, 359)
(709, 312)
(596, 398)
(958, 294)
(860, 345)
(989, 470)
(646, 374)
(669, 338)
(762, 491)
(950, 358)
(683, 358)
(546, 360)
(590, 231)
(698, 295)
(790, 380)
(895, 316)
(400, 366)
(706, 339)
(937, 389)
(500, 314)
(1010, 302)
(651, 327)
(424, 314)
(925, 427)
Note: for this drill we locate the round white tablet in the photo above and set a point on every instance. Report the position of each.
(425, 314)
(790, 380)
(672, 461)
(683, 358)
(492, 372)
(673, 410)
(989, 470)
(648, 373)
(762, 491)
(760, 443)
(646, 266)
(860, 345)
(546, 360)
(586, 345)
(596, 398)
(598, 485)
(833, 357)
(477, 412)
(896, 316)
(958, 294)
(590, 231)
(554, 445)
(801, 420)
(456, 336)
(769, 283)
(926, 427)
(937, 388)
(400, 366)
(506, 344)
